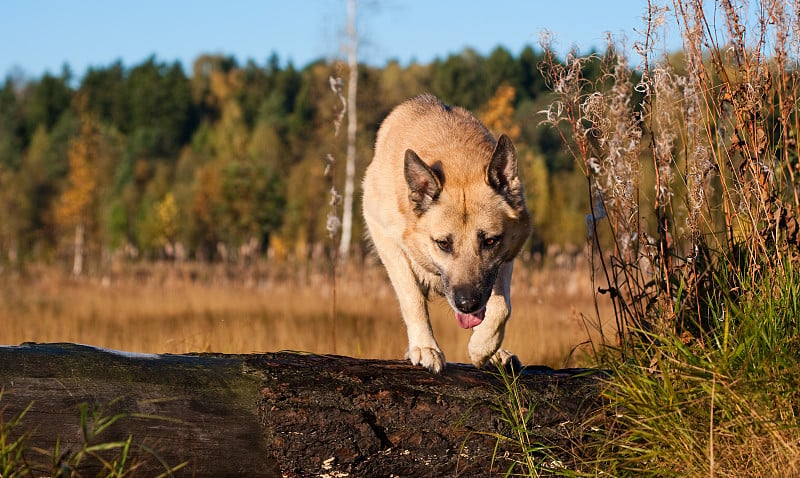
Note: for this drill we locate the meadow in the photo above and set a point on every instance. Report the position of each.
(690, 168)
(190, 307)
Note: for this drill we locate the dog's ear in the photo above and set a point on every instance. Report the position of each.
(503, 175)
(423, 184)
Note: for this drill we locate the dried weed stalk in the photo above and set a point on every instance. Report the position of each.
(692, 158)
(333, 224)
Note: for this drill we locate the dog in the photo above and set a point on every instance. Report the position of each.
(445, 210)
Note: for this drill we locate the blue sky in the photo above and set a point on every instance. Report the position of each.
(40, 35)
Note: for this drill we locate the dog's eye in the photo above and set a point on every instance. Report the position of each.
(490, 242)
(446, 245)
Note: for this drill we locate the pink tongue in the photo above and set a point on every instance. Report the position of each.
(468, 321)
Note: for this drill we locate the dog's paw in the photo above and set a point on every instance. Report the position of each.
(479, 358)
(481, 351)
(428, 357)
(506, 360)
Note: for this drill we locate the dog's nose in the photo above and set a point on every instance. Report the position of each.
(467, 299)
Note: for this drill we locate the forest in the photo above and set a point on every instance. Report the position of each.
(227, 162)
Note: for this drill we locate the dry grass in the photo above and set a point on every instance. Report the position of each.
(195, 308)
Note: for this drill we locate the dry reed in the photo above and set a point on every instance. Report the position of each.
(192, 308)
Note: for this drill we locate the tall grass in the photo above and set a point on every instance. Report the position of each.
(691, 163)
(726, 406)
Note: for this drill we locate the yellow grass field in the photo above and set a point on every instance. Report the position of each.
(194, 308)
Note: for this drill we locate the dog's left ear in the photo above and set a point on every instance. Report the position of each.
(503, 174)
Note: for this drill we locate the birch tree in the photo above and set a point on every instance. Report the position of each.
(350, 165)
(75, 207)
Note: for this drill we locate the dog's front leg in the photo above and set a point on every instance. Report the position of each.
(422, 347)
(488, 335)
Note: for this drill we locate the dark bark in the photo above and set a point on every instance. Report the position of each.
(287, 414)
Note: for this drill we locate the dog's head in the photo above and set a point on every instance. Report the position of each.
(466, 229)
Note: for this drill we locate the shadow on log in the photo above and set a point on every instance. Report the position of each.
(283, 414)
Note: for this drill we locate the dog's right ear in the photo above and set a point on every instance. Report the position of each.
(423, 184)
(503, 175)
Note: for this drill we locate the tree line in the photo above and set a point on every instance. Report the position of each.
(228, 161)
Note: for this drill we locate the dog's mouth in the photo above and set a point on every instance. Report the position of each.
(468, 321)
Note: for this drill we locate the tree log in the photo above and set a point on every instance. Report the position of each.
(283, 414)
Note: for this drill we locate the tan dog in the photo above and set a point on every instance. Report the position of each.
(444, 206)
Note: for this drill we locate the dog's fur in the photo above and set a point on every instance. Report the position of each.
(444, 206)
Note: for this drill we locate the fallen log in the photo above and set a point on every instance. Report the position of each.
(277, 414)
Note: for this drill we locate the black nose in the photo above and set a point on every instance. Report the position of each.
(467, 299)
